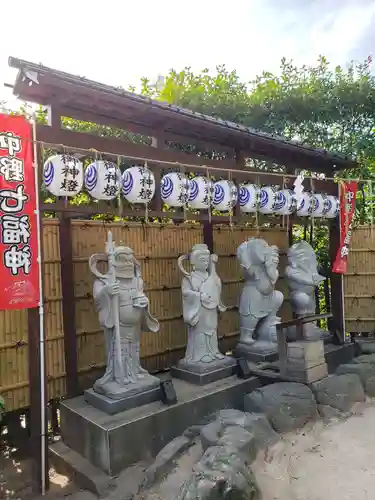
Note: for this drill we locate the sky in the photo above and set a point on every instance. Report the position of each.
(118, 41)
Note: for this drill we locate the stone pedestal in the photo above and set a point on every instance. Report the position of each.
(205, 373)
(305, 361)
(146, 391)
(257, 352)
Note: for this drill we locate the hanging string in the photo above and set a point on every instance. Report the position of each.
(209, 194)
(312, 233)
(119, 197)
(231, 188)
(257, 205)
(146, 193)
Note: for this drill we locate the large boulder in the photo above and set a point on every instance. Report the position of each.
(339, 391)
(223, 473)
(256, 424)
(287, 406)
(366, 373)
(365, 358)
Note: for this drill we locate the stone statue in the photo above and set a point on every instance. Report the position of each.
(124, 312)
(259, 301)
(302, 278)
(201, 301)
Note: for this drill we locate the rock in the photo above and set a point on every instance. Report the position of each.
(328, 413)
(366, 346)
(339, 391)
(239, 438)
(287, 406)
(366, 373)
(192, 432)
(232, 417)
(364, 358)
(222, 474)
(211, 434)
(164, 460)
(261, 429)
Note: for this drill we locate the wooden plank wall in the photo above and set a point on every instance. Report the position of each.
(157, 247)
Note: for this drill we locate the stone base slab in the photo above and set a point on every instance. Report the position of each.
(305, 354)
(114, 442)
(307, 376)
(256, 353)
(205, 373)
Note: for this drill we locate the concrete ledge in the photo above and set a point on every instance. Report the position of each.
(66, 461)
(114, 442)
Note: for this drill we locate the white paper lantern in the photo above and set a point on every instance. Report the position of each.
(320, 205)
(63, 175)
(200, 193)
(286, 202)
(333, 207)
(102, 180)
(225, 196)
(305, 205)
(174, 189)
(138, 184)
(249, 198)
(267, 200)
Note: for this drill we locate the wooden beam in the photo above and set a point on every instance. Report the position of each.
(68, 306)
(110, 146)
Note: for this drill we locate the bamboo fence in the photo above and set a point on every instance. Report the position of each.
(157, 247)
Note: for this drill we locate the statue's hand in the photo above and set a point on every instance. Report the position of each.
(205, 297)
(113, 289)
(140, 302)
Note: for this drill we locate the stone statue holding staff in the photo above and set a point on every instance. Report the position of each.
(124, 312)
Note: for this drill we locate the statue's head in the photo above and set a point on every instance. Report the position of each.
(302, 255)
(124, 262)
(200, 257)
(255, 251)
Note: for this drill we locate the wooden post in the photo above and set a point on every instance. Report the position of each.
(68, 306)
(337, 299)
(35, 401)
(208, 235)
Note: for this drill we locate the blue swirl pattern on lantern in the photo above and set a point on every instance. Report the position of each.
(244, 196)
(280, 201)
(91, 176)
(48, 173)
(218, 194)
(263, 198)
(166, 188)
(127, 182)
(194, 190)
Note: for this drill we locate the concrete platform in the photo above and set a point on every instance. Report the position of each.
(254, 355)
(114, 442)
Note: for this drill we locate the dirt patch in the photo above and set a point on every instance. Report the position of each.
(334, 461)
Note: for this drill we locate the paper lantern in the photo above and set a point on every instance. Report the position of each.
(138, 184)
(249, 198)
(286, 202)
(63, 175)
(319, 204)
(305, 204)
(225, 196)
(267, 200)
(174, 189)
(333, 207)
(102, 180)
(200, 193)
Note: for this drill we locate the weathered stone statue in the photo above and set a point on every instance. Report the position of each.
(259, 301)
(201, 302)
(302, 278)
(124, 312)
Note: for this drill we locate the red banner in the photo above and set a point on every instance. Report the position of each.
(19, 273)
(348, 192)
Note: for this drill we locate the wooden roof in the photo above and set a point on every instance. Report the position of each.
(92, 101)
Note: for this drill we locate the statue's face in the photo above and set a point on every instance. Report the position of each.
(124, 265)
(201, 261)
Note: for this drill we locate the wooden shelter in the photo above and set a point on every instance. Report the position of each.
(158, 127)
